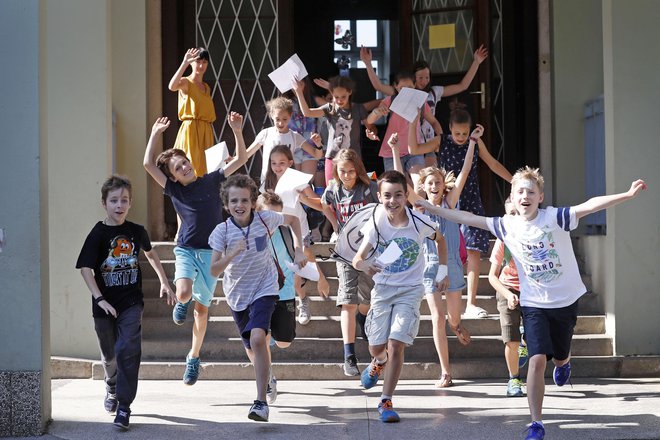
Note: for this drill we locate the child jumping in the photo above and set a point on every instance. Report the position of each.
(241, 250)
(550, 282)
(108, 263)
(197, 202)
(349, 190)
(393, 319)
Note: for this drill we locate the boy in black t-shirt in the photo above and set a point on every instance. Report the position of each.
(108, 262)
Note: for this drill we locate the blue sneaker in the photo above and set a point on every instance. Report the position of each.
(523, 356)
(179, 312)
(122, 419)
(562, 374)
(370, 374)
(192, 371)
(535, 431)
(387, 414)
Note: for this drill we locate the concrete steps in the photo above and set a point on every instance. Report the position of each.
(317, 351)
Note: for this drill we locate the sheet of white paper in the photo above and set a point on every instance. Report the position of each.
(216, 156)
(284, 75)
(408, 102)
(310, 271)
(288, 186)
(389, 255)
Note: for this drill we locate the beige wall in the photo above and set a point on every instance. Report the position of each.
(78, 114)
(631, 66)
(129, 97)
(577, 62)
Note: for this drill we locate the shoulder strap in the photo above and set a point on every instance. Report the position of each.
(287, 238)
(269, 237)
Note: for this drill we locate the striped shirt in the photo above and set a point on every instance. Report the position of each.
(251, 274)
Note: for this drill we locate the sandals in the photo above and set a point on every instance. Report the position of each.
(462, 334)
(445, 381)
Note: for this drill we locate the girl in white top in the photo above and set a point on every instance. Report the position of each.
(280, 159)
(280, 110)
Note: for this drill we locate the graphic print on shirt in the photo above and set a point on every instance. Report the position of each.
(410, 250)
(342, 137)
(120, 268)
(540, 258)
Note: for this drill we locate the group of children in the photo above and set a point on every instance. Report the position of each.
(416, 209)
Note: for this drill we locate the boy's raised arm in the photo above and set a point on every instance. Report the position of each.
(454, 215)
(365, 57)
(150, 153)
(603, 202)
(426, 147)
(236, 124)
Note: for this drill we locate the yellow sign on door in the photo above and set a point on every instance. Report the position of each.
(442, 36)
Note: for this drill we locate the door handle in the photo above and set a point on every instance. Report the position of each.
(481, 92)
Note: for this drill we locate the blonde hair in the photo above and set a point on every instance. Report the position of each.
(448, 177)
(528, 173)
(279, 103)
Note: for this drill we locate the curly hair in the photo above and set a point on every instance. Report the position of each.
(239, 181)
(447, 177)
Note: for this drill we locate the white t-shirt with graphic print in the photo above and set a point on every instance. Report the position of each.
(408, 269)
(270, 138)
(543, 252)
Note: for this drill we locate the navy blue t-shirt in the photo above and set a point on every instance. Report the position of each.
(199, 206)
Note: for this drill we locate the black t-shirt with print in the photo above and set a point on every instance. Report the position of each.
(112, 253)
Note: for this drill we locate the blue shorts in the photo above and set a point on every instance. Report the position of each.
(301, 156)
(550, 331)
(257, 315)
(195, 265)
(431, 262)
(408, 161)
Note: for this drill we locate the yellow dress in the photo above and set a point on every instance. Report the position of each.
(195, 135)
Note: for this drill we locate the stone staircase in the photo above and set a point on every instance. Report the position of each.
(317, 351)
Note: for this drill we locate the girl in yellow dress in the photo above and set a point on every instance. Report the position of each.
(196, 109)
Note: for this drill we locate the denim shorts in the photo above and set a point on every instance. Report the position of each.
(550, 331)
(394, 314)
(408, 161)
(195, 265)
(431, 262)
(256, 315)
(301, 156)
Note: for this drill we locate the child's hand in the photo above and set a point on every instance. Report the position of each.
(512, 301)
(235, 121)
(322, 286)
(107, 308)
(322, 83)
(190, 55)
(393, 141)
(239, 247)
(316, 138)
(480, 54)
(371, 134)
(381, 111)
(636, 187)
(371, 268)
(168, 293)
(365, 55)
(160, 125)
(299, 258)
(423, 205)
(297, 86)
(443, 285)
(477, 132)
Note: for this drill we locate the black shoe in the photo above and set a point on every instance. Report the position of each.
(110, 402)
(361, 319)
(122, 418)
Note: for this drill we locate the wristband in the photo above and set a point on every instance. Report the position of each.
(474, 139)
(98, 299)
(442, 273)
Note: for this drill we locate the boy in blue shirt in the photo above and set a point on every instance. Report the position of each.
(198, 205)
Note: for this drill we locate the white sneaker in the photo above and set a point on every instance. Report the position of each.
(259, 411)
(475, 312)
(304, 313)
(271, 390)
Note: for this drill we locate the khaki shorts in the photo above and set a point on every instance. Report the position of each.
(509, 319)
(354, 286)
(394, 314)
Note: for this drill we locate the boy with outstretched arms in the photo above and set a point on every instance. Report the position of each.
(393, 318)
(550, 283)
(198, 205)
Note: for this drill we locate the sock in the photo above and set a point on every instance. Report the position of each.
(381, 362)
(517, 376)
(349, 349)
(384, 397)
